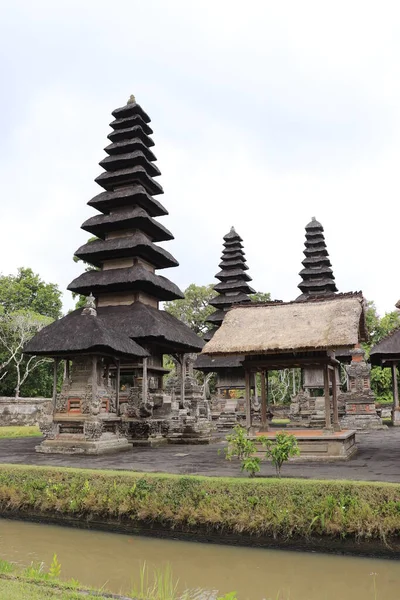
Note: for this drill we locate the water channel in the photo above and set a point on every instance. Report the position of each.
(97, 558)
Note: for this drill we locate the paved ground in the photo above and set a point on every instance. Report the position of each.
(378, 459)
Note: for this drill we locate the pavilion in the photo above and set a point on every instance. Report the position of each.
(386, 353)
(275, 336)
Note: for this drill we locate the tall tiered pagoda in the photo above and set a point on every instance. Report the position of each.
(317, 276)
(124, 282)
(233, 288)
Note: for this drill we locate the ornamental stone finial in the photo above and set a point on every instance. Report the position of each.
(90, 306)
(132, 99)
(397, 305)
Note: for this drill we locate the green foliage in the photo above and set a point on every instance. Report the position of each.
(16, 329)
(378, 328)
(239, 445)
(280, 449)
(270, 507)
(26, 291)
(260, 297)
(194, 309)
(15, 431)
(55, 568)
(251, 464)
(158, 585)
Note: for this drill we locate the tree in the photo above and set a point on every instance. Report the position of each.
(16, 329)
(194, 308)
(379, 327)
(260, 297)
(26, 290)
(81, 300)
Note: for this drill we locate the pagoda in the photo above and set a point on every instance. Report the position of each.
(124, 281)
(317, 276)
(233, 288)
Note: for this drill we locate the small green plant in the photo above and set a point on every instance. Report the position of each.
(55, 568)
(279, 450)
(159, 586)
(251, 464)
(239, 445)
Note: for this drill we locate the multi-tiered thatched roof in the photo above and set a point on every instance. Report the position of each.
(126, 256)
(317, 276)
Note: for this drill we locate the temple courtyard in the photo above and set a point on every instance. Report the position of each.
(377, 459)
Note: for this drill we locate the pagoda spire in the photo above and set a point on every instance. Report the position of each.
(317, 276)
(125, 254)
(233, 287)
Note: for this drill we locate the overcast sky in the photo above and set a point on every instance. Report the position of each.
(265, 113)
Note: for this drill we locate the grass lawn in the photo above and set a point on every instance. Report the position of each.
(17, 589)
(20, 431)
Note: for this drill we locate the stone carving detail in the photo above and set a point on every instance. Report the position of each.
(48, 428)
(93, 430)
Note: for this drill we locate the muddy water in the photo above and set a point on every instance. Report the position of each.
(113, 560)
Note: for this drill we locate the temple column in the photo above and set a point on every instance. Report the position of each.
(336, 425)
(264, 421)
(117, 386)
(328, 424)
(94, 378)
(247, 396)
(183, 376)
(396, 408)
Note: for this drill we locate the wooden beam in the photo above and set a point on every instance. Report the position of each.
(264, 422)
(328, 424)
(336, 425)
(183, 375)
(247, 398)
(144, 381)
(117, 385)
(395, 387)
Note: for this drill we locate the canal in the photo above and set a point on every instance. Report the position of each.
(113, 560)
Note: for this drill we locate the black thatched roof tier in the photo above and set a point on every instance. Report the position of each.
(209, 364)
(230, 286)
(216, 317)
(229, 244)
(141, 142)
(388, 349)
(77, 333)
(233, 274)
(127, 218)
(134, 325)
(132, 120)
(134, 279)
(317, 276)
(118, 162)
(232, 236)
(130, 176)
(123, 153)
(129, 133)
(224, 300)
(131, 108)
(137, 244)
(128, 196)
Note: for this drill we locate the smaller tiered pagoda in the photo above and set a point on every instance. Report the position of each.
(233, 288)
(317, 275)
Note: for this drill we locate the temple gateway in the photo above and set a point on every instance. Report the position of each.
(112, 350)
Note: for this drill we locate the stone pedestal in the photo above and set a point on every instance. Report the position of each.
(396, 417)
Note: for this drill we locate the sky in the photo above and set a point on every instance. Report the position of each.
(264, 114)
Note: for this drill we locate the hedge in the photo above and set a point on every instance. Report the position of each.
(277, 508)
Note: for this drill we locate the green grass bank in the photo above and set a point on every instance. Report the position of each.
(19, 431)
(286, 511)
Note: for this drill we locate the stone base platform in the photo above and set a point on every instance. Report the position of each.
(318, 445)
(96, 447)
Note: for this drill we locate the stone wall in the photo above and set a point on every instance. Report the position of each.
(24, 411)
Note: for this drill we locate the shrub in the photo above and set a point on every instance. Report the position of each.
(279, 450)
